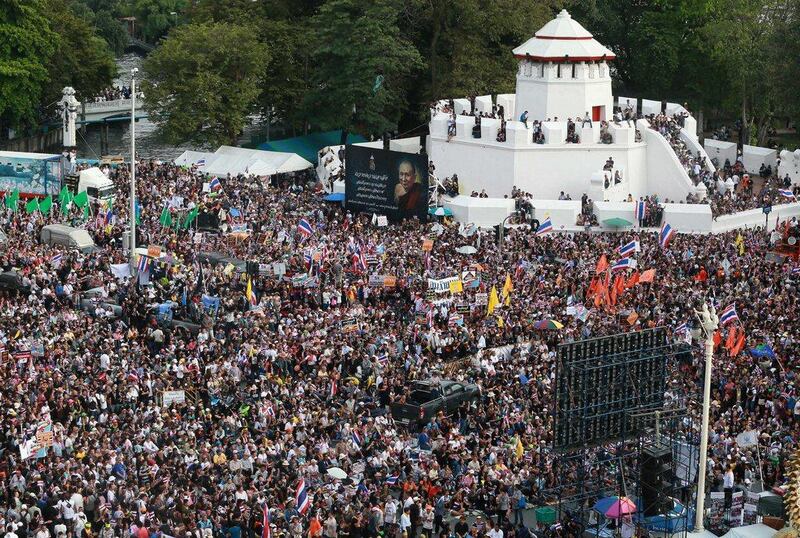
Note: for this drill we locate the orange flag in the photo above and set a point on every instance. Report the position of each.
(602, 264)
(717, 338)
(592, 289)
(731, 340)
(739, 345)
(647, 276)
(620, 285)
(632, 280)
(632, 318)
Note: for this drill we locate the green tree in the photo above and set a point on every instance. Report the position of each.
(83, 61)
(154, 18)
(26, 46)
(203, 81)
(362, 66)
(111, 29)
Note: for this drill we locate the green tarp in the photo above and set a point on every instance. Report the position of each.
(308, 146)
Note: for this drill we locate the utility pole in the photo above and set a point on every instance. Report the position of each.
(132, 244)
(709, 322)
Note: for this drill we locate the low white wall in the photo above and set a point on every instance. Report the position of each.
(720, 150)
(790, 164)
(753, 157)
(624, 102)
(562, 213)
(650, 107)
(507, 101)
(610, 210)
(483, 212)
(405, 145)
(688, 217)
(755, 217)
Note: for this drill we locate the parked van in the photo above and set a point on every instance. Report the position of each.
(75, 238)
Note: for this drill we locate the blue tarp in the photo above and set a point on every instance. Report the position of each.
(308, 146)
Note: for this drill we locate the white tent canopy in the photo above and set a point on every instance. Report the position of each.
(231, 160)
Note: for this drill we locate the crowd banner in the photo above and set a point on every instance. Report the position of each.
(750, 509)
(716, 509)
(441, 285)
(737, 505)
(387, 183)
(170, 397)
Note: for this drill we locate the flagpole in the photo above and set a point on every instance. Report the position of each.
(132, 244)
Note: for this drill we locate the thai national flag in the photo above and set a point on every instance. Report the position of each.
(624, 263)
(265, 532)
(215, 184)
(304, 227)
(144, 264)
(109, 216)
(665, 235)
(787, 193)
(640, 210)
(301, 498)
(629, 249)
(683, 327)
(56, 260)
(383, 359)
(546, 226)
(796, 270)
(334, 388)
(392, 480)
(729, 314)
(356, 438)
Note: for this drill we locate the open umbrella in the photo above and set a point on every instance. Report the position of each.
(615, 507)
(467, 249)
(337, 472)
(617, 222)
(548, 324)
(335, 197)
(440, 212)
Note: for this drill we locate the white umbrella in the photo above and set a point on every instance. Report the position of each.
(467, 249)
(337, 472)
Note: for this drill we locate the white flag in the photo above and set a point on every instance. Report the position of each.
(748, 438)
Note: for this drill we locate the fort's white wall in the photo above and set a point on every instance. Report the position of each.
(790, 164)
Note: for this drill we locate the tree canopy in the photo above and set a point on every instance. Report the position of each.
(203, 81)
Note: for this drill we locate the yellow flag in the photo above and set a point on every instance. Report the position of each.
(494, 302)
(249, 292)
(507, 289)
(456, 286)
(740, 243)
(519, 449)
(500, 322)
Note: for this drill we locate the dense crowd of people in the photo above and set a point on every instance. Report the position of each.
(292, 371)
(113, 93)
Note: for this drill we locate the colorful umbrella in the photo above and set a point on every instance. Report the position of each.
(615, 507)
(548, 324)
(617, 222)
(440, 212)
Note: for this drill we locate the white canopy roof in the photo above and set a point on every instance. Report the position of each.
(758, 530)
(563, 39)
(231, 160)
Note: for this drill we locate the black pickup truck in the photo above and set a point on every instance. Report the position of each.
(427, 398)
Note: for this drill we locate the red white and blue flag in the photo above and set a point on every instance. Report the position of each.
(624, 263)
(729, 314)
(144, 264)
(356, 438)
(683, 327)
(215, 184)
(629, 249)
(665, 235)
(640, 210)
(544, 227)
(392, 480)
(265, 532)
(304, 228)
(301, 498)
(787, 193)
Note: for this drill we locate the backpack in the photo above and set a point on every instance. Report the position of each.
(522, 503)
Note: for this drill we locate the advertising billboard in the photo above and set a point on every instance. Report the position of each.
(386, 182)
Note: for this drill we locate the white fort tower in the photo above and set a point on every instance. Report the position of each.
(563, 73)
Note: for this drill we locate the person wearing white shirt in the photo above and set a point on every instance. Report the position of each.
(727, 486)
(405, 520)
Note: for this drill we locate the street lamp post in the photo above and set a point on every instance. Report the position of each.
(132, 244)
(502, 231)
(709, 322)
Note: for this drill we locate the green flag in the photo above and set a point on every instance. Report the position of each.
(81, 199)
(46, 204)
(166, 218)
(190, 217)
(32, 206)
(12, 199)
(65, 203)
(63, 195)
(86, 212)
